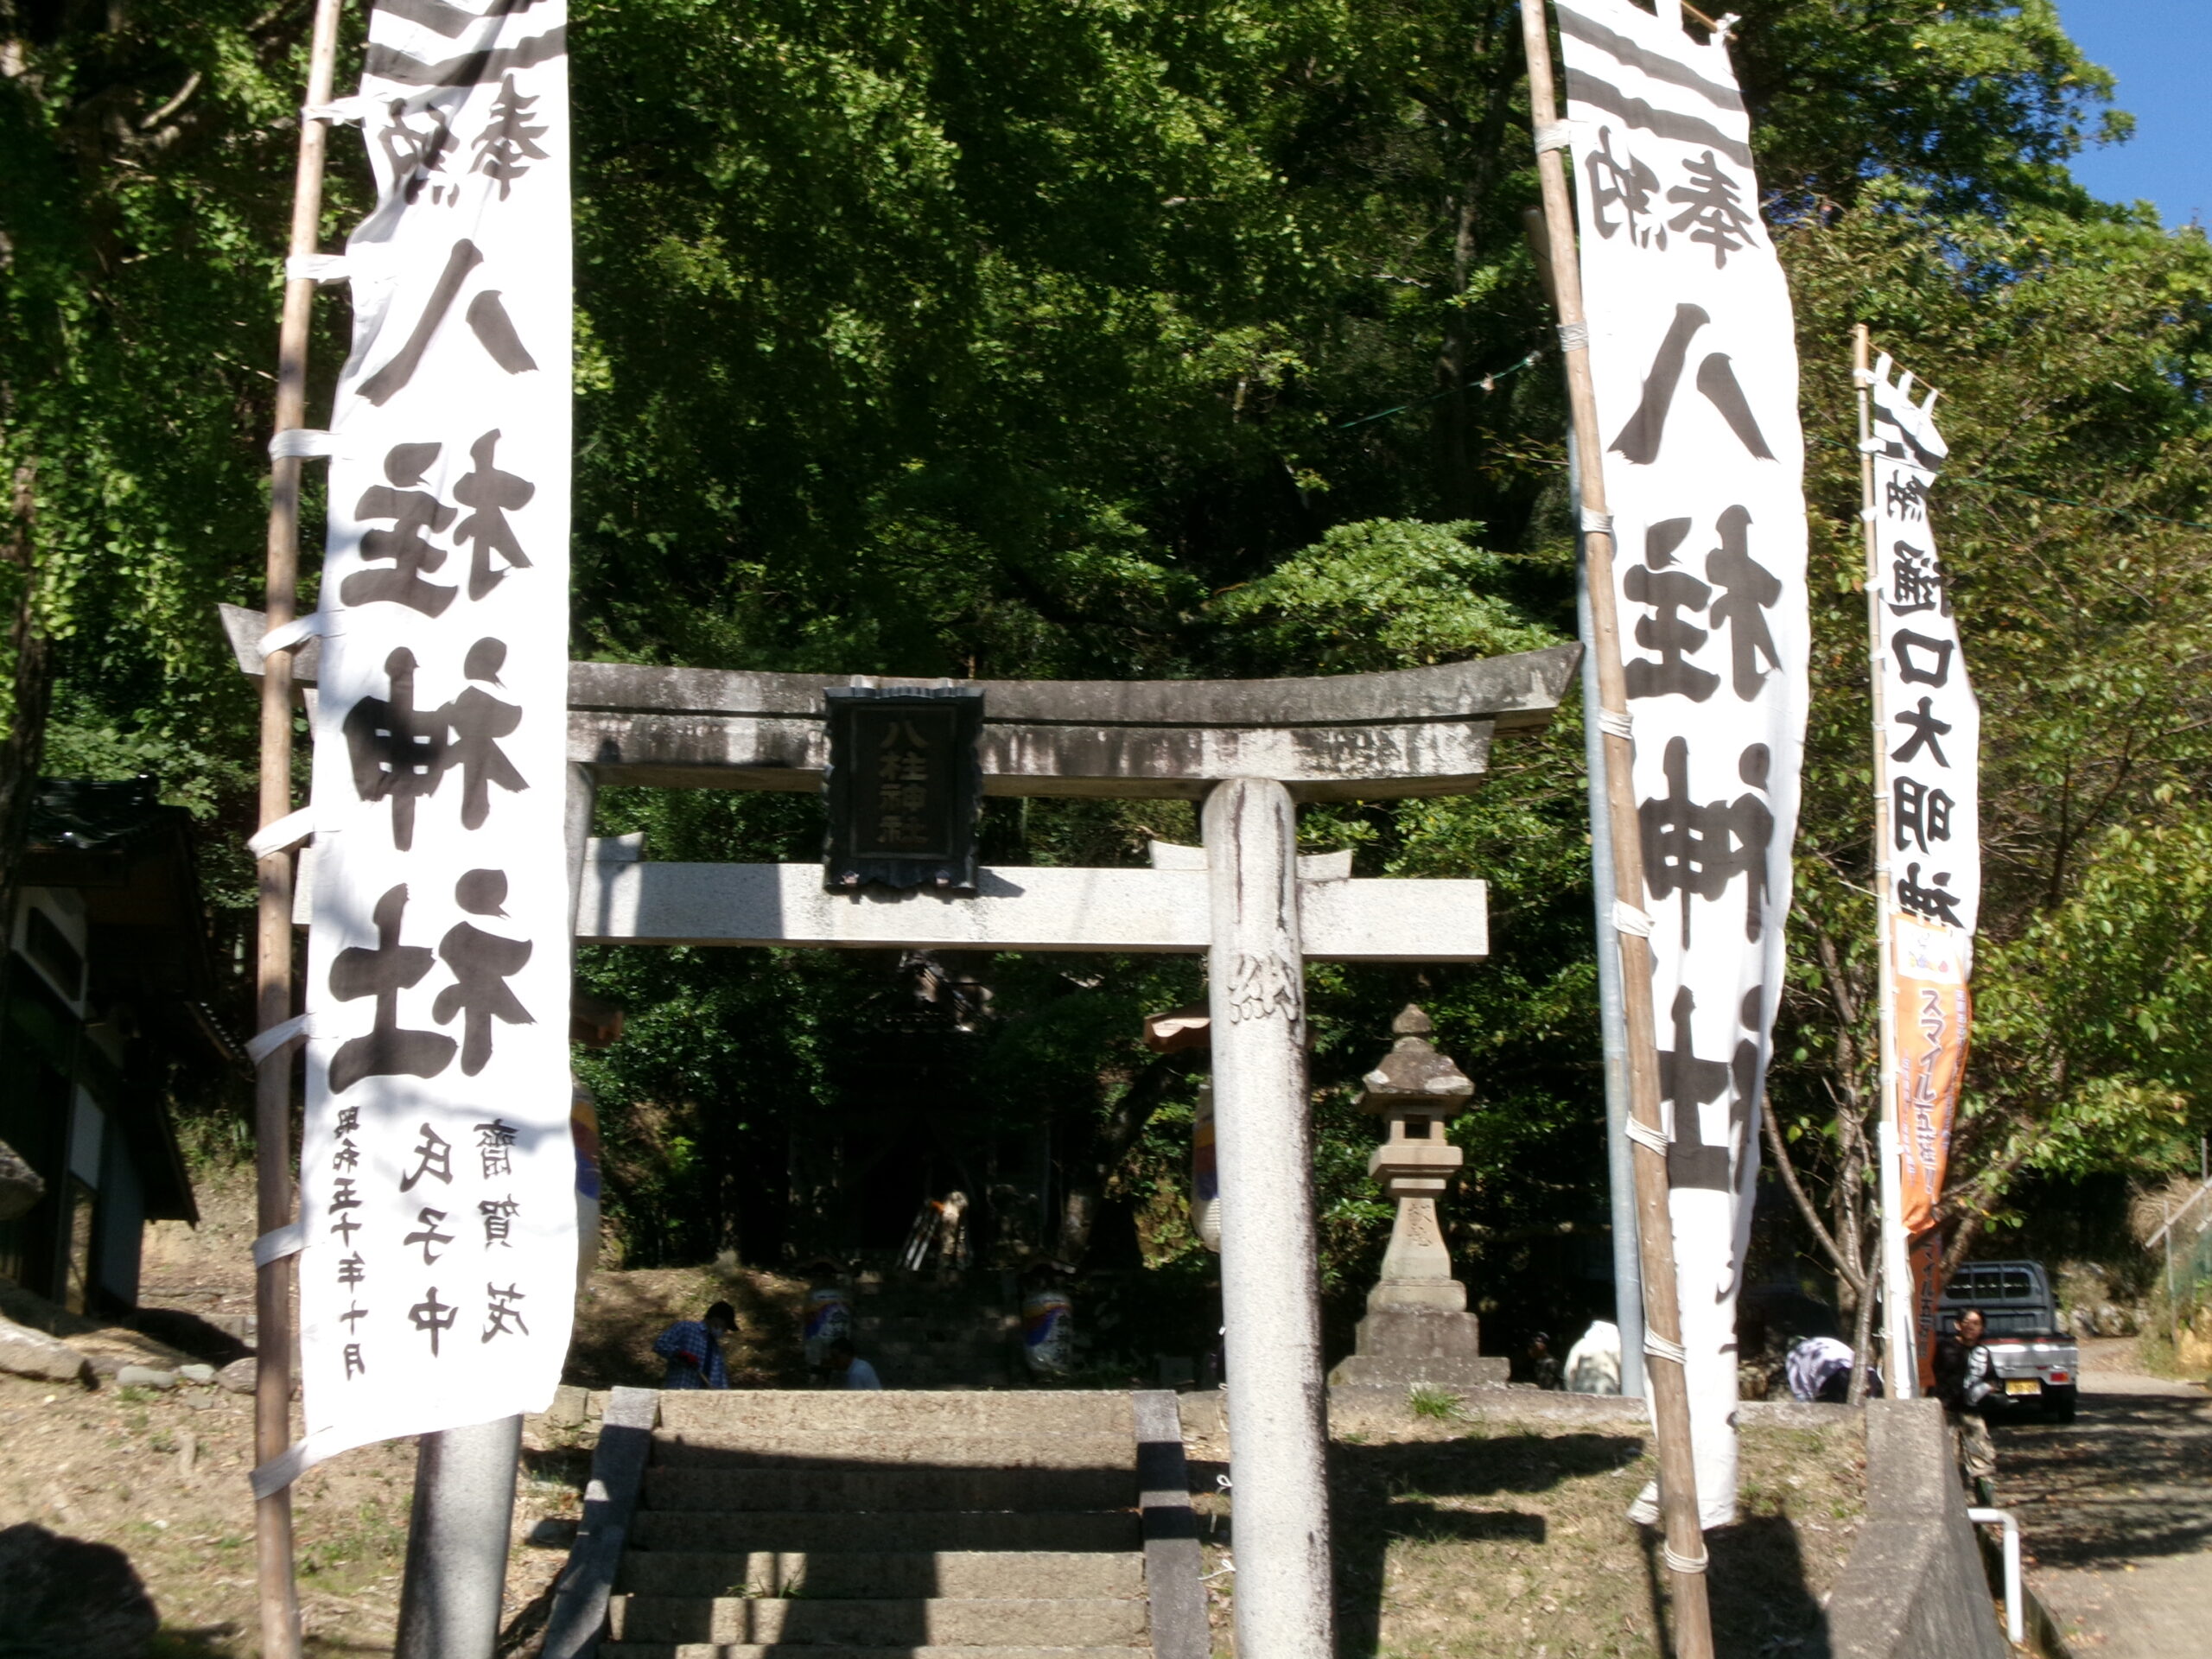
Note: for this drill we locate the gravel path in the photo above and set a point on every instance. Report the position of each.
(2117, 1511)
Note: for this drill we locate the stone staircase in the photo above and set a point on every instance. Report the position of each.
(925, 1525)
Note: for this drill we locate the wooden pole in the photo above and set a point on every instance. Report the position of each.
(1903, 1366)
(274, 1337)
(1665, 1383)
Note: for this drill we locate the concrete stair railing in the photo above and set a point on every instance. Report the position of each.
(926, 1525)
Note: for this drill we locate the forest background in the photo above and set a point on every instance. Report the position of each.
(1088, 338)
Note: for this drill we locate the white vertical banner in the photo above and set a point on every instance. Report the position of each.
(1695, 366)
(1928, 769)
(437, 1176)
(1933, 753)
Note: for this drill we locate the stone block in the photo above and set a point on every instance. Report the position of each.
(27, 1352)
(144, 1376)
(1916, 1584)
(1407, 1346)
(569, 1406)
(239, 1375)
(199, 1374)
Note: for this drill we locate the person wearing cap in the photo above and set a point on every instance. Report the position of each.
(693, 1348)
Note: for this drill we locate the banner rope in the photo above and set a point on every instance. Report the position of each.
(1488, 382)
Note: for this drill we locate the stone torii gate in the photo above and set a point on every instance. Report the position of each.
(1249, 750)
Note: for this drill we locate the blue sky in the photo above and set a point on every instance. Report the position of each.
(2161, 51)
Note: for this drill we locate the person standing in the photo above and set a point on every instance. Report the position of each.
(693, 1348)
(1965, 1381)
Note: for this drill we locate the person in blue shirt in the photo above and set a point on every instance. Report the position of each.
(693, 1348)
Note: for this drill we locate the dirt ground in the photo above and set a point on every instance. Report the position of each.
(1483, 1536)
(2115, 1510)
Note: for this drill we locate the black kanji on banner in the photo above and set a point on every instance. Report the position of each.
(906, 785)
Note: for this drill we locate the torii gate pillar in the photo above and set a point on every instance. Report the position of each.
(1270, 1290)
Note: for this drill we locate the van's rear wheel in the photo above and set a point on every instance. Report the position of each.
(2061, 1403)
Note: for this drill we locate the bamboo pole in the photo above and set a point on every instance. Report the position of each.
(274, 1336)
(1901, 1365)
(1665, 1383)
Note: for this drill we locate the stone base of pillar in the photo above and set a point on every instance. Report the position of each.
(1407, 1346)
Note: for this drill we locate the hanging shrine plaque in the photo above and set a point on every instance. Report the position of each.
(906, 785)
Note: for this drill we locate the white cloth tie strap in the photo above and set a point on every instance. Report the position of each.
(1615, 725)
(268, 1042)
(1660, 1347)
(302, 443)
(1645, 1135)
(288, 831)
(1627, 919)
(1595, 523)
(1556, 136)
(347, 112)
(298, 631)
(1573, 336)
(1682, 1563)
(273, 1477)
(1872, 445)
(280, 1242)
(318, 268)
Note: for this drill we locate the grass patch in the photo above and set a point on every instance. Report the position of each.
(1440, 1405)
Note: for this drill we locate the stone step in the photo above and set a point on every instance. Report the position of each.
(920, 1574)
(1003, 1411)
(785, 1530)
(812, 1650)
(737, 1445)
(883, 1489)
(1066, 1622)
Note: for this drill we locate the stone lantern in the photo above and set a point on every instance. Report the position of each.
(1417, 1328)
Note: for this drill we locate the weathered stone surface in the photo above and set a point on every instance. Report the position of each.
(569, 1404)
(1422, 731)
(26, 1352)
(239, 1374)
(144, 1376)
(1017, 909)
(1408, 1346)
(1519, 692)
(20, 1186)
(1915, 1585)
(196, 1373)
(62, 1598)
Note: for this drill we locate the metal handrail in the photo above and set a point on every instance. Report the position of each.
(2015, 1612)
(2167, 1225)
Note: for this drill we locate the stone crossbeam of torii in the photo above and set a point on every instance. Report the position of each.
(1249, 751)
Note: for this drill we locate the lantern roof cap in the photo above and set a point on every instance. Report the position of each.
(1412, 1072)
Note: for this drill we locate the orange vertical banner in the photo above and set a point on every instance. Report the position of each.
(1932, 1011)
